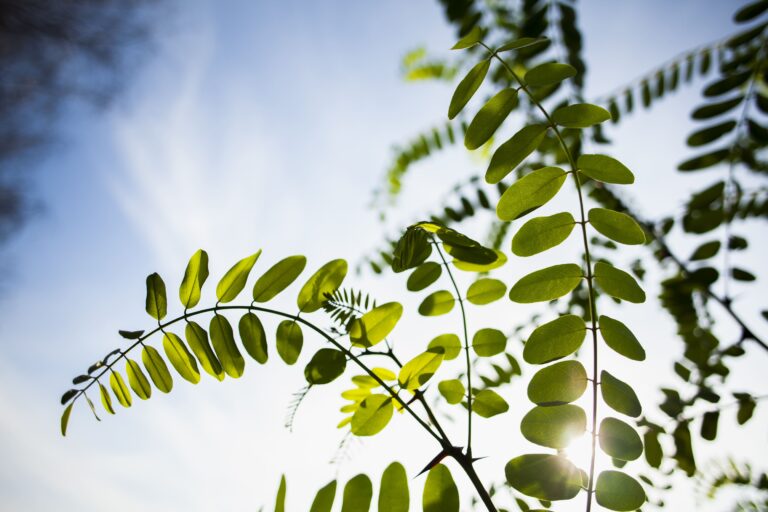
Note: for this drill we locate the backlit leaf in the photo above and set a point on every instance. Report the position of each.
(197, 339)
(280, 499)
(437, 303)
(580, 115)
(619, 440)
(325, 281)
(223, 340)
(278, 278)
(375, 325)
(423, 276)
(618, 283)
(489, 342)
(706, 250)
(323, 501)
(617, 226)
(440, 491)
(486, 290)
(194, 277)
(471, 39)
(715, 109)
(487, 403)
(325, 366)
(511, 153)
(181, 359)
(553, 340)
(619, 396)
(555, 427)
(106, 400)
(618, 336)
(65, 418)
(560, 383)
(121, 391)
(549, 73)
(705, 160)
(156, 303)
(606, 169)
(467, 87)
(544, 476)
(393, 492)
(157, 369)
(523, 42)
(137, 379)
(546, 284)
(710, 133)
(618, 491)
(416, 372)
(453, 390)
(542, 233)
(489, 118)
(234, 280)
(357, 494)
(254, 337)
(289, 341)
(449, 343)
(412, 249)
(530, 192)
(372, 416)
(501, 259)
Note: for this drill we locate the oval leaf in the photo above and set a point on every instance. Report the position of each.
(234, 280)
(530, 192)
(487, 403)
(278, 277)
(357, 494)
(452, 390)
(546, 284)
(325, 366)
(619, 396)
(486, 290)
(197, 339)
(157, 302)
(619, 440)
(618, 491)
(489, 118)
(393, 492)
(542, 233)
(437, 303)
(324, 282)
(416, 372)
(194, 277)
(549, 73)
(450, 344)
(606, 169)
(440, 491)
(580, 115)
(323, 501)
(617, 226)
(181, 359)
(618, 283)
(372, 416)
(618, 336)
(120, 390)
(554, 427)
(489, 342)
(157, 369)
(467, 87)
(501, 259)
(106, 400)
(137, 379)
(558, 384)
(223, 340)
(253, 337)
(510, 154)
(544, 476)
(553, 340)
(423, 276)
(375, 325)
(289, 341)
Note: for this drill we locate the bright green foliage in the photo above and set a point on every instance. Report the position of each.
(289, 341)
(617, 226)
(453, 390)
(556, 339)
(278, 278)
(416, 372)
(157, 369)
(544, 476)
(412, 249)
(325, 281)
(181, 359)
(618, 491)
(106, 400)
(542, 233)
(325, 366)
(554, 427)
(523, 42)
(65, 418)
(357, 494)
(393, 493)
(486, 290)
(197, 339)
(157, 302)
(467, 87)
(510, 154)
(530, 192)
(372, 416)
(223, 341)
(619, 396)
(618, 336)
(618, 283)
(323, 501)
(487, 403)
(473, 37)
(437, 303)
(559, 383)
(549, 73)
(619, 440)
(137, 380)
(194, 277)
(121, 391)
(501, 259)
(488, 119)
(440, 491)
(606, 169)
(253, 337)
(234, 280)
(546, 284)
(580, 115)
(375, 325)
(449, 343)
(424, 275)
(489, 342)
(280, 499)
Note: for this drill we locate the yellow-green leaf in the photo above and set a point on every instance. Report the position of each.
(549, 73)
(619, 440)
(234, 280)
(357, 494)
(618, 491)
(606, 169)
(253, 337)
(619, 396)
(546, 284)
(289, 341)
(553, 340)
(372, 416)
(197, 339)
(65, 419)
(157, 302)
(471, 39)
(489, 342)
(618, 336)
(137, 379)
(325, 366)
(121, 391)
(375, 325)
(323, 501)
(437, 303)
(416, 372)
(423, 276)
(440, 491)
(181, 359)
(223, 340)
(485, 290)
(467, 87)
(554, 427)
(501, 259)
(487, 403)
(106, 400)
(157, 369)
(617, 226)
(530, 192)
(618, 283)
(194, 277)
(453, 390)
(542, 233)
(544, 476)
(393, 491)
(558, 384)
(512, 152)
(278, 278)
(325, 281)
(489, 118)
(448, 343)
(580, 115)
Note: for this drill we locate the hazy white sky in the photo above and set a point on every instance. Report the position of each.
(267, 125)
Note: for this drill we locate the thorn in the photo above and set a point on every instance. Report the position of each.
(434, 462)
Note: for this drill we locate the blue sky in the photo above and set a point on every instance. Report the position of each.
(267, 125)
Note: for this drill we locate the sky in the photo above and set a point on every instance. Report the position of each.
(267, 125)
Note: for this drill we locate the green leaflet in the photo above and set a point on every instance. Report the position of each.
(580, 115)
(544, 476)
(323, 501)
(489, 342)
(619, 396)
(618, 283)
(357, 494)
(375, 325)
(618, 336)
(289, 340)
(619, 440)
(553, 340)
(223, 340)
(606, 169)
(523, 42)
(471, 39)
(65, 419)
(705, 251)
(181, 359)
(449, 343)
(705, 160)
(197, 339)
(473, 254)
(440, 491)
(710, 133)
(485, 290)
(121, 391)
(560, 383)
(617, 226)
(325, 281)
(467, 87)
(489, 118)
(234, 280)
(280, 499)
(194, 277)
(546, 284)
(278, 278)
(137, 379)
(393, 492)
(530, 192)
(501, 259)
(511, 153)
(542, 233)
(710, 110)
(325, 366)
(372, 416)
(487, 403)
(750, 11)
(253, 337)
(653, 452)
(156, 303)
(412, 249)
(416, 372)
(106, 400)
(423, 276)
(157, 369)
(549, 73)
(709, 425)
(554, 427)
(437, 303)
(453, 390)
(618, 491)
